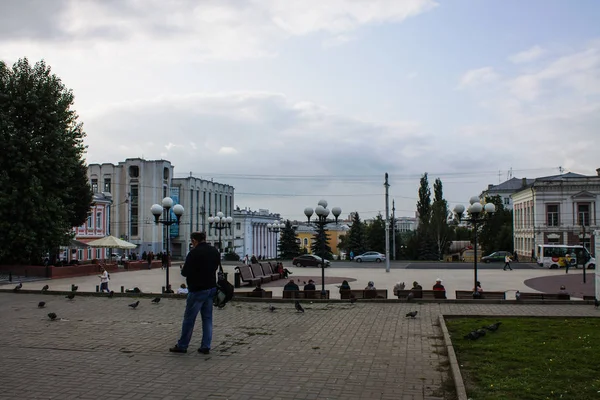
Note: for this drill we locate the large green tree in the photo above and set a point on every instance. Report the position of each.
(320, 243)
(497, 231)
(425, 241)
(44, 190)
(439, 220)
(376, 235)
(289, 245)
(356, 240)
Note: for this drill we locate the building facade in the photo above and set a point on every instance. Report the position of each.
(95, 227)
(406, 224)
(252, 236)
(505, 190)
(202, 199)
(560, 209)
(334, 231)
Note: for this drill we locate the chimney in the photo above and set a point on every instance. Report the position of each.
(598, 171)
(523, 182)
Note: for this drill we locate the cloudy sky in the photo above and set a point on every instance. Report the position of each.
(294, 101)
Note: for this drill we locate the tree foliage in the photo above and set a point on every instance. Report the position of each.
(424, 202)
(44, 190)
(289, 246)
(356, 240)
(439, 220)
(320, 243)
(496, 234)
(376, 235)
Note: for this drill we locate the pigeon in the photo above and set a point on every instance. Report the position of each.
(74, 288)
(518, 295)
(272, 308)
(472, 335)
(410, 296)
(70, 296)
(41, 304)
(134, 305)
(596, 303)
(45, 288)
(352, 299)
(480, 332)
(412, 314)
(304, 282)
(156, 300)
(18, 287)
(111, 294)
(493, 327)
(298, 306)
(52, 316)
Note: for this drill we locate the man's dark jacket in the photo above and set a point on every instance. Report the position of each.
(200, 267)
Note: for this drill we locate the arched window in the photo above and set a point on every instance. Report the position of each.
(98, 220)
(305, 242)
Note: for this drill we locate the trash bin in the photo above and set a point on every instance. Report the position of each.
(237, 282)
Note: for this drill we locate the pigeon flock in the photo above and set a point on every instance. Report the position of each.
(481, 332)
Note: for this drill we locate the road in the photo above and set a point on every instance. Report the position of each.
(430, 265)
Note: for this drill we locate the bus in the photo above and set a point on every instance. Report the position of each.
(555, 255)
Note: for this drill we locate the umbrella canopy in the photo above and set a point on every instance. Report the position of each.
(111, 242)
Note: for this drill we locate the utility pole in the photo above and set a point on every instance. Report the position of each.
(394, 229)
(387, 224)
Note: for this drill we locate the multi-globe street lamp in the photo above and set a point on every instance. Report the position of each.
(477, 214)
(157, 210)
(276, 227)
(219, 223)
(322, 212)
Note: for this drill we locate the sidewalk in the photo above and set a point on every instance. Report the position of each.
(103, 349)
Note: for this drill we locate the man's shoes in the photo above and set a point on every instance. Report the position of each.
(203, 350)
(176, 349)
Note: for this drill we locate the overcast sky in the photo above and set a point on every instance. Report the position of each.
(293, 101)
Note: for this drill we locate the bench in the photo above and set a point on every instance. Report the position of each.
(468, 294)
(304, 294)
(264, 294)
(421, 294)
(588, 298)
(246, 275)
(364, 294)
(268, 271)
(544, 296)
(258, 273)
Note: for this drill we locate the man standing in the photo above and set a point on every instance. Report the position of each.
(200, 270)
(507, 261)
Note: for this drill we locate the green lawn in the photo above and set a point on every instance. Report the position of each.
(529, 358)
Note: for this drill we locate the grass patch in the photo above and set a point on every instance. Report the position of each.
(529, 358)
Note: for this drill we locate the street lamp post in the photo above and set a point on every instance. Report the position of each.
(583, 250)
(157, 210)
(477, 213)
(220, 222)
(322, 212)
(276, 228)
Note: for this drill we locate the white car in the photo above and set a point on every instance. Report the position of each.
(119, 258)
(370, 256)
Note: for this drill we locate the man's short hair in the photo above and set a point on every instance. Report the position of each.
(199, 236)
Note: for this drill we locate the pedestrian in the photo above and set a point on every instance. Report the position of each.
(370, 286)
(477, 290)
(182, 289)
(246, 260)
(566, 262)
(507, 261)
(104, 278)
(150, 257)
(351, 255)
(200, 270)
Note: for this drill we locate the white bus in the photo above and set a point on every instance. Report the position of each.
(555, 256)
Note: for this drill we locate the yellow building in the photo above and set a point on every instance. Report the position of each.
(306, 235)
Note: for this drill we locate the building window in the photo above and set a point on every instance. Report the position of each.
(80, 254)
(89, 256)
(107, 183)
(305, 242)
(507, 201)
(90, 221)
(166, 174)
(583, 212)
(134, 217)
(238, 226)
(134, 171)
(94, 185)
(552, 214)
(98, 253)
(98, 220)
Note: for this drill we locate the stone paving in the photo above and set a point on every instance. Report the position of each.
(100, 348)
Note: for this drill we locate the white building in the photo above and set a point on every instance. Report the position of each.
(252, 237)
(406, 224)
(202, 199)
(556, 209)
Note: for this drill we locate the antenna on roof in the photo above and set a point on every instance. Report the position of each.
(509, 174)
(560, 170)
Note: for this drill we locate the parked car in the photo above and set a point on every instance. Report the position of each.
(497, 256)
(370, 256)
(119, 258)
(309, 260)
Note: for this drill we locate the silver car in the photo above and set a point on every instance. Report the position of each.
(370, 256)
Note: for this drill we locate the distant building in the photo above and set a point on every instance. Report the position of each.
(96, 226)
(334, 231)
(556, 209)
(505, 190)
(406, 224)
(251, 235)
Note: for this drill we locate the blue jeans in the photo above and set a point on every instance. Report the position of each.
(201, 301)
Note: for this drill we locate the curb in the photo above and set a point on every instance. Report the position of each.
(459, 385)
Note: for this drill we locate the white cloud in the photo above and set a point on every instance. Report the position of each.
(528, 55)
(477, 77)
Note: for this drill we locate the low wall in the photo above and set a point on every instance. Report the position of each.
(73, 270)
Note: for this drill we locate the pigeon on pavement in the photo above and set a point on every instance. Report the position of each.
(70, 296)
(156, 300)
(18, 287)
(45, 288)
(272, 308)
(52, 316)
(412, 314)
(493, 327)
(41, 304)
(352, 299)
(134, 305)
(298, 306)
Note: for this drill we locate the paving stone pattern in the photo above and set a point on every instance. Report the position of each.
(100, 348)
